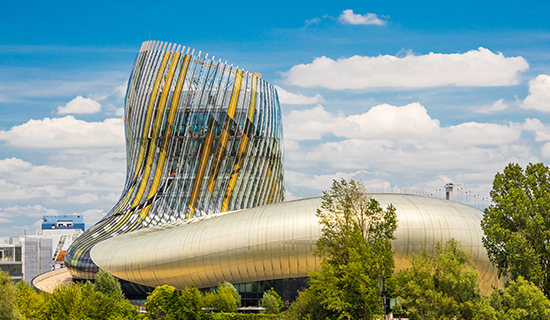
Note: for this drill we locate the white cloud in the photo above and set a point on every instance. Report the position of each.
(542, 131)
(29, 211)
(323, 182)
(80, 105)
(539, 94)
(286, 97)
(12, 191)
(499, 105)
(66, 132)
(83, 198)
(474, 68)
(315, 20)
(92, 216)
(348, 17)
(401, 141)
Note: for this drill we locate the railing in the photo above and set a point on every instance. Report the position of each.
(460, 194)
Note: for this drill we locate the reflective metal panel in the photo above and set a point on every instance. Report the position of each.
(277, 241)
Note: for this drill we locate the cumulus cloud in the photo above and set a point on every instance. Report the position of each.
(499, 105)
(348, 17)
(479, 67)
(80, 105)
(83, 198)
(286, 97)
(403, 141)
(66, 132)
(390, 122)
(36, 211)
(13, 191)
(542, 131)
(324, 181)
(539, 94)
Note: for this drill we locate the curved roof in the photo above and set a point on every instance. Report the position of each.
(276, 241)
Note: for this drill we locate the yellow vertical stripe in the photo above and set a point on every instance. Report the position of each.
(158, 123)
(225, 134)
(200, 172)
(168, 129)
(151, 142)
(242, 148)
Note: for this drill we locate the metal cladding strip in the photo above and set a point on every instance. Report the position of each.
(202, 166)
(145, 142)
(117, 225)
(185, 164)
(206, 146)
(157, 128)
(225, 131)
(186, 120)
(277, 241)
(170, 140)
(136, 163)
(243, 146)
(169, 125)
(132, 174)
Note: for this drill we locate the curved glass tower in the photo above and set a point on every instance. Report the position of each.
(202, 137)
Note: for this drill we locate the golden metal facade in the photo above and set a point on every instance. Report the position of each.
(277, 241)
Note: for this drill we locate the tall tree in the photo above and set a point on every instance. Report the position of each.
(356, 253)
(108, 285)
(517, 225)
(443, 285)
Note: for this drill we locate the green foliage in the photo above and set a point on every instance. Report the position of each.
(517, 226)
(167, 302)
(238, 316)
(228, 285)
(356, 253)
(272, 302)
(520, 300)
(163, 302)
(222, 300)
(81, 301)
(30, 303)
(7, 298)
(190, 303)
(309, 305)
(442, 285)
(108, 285)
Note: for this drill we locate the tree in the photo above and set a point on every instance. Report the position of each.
(163, 302)
(517, 225)
(229, 286)
(520, 300)
(108, 285)
(356, 255)
(442, 285)
(272, 302)
(30, 303)
(80, 301)
(7, 298)
(221, 300)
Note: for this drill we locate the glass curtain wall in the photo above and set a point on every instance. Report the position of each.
(202, 137)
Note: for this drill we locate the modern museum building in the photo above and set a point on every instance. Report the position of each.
(203, 200)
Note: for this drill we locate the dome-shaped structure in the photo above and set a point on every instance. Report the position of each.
(277, 241)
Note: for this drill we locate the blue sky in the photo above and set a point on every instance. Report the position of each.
(400, 94)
